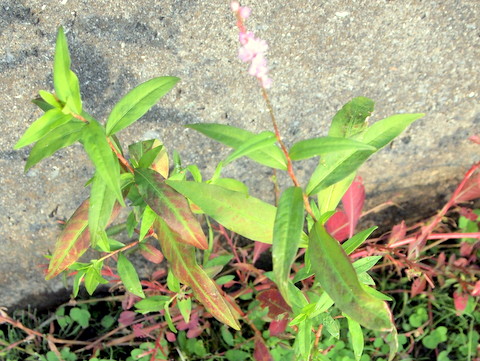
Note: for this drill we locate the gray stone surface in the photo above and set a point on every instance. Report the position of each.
(409, 56)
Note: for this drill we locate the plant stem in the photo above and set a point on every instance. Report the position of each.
(290, 170)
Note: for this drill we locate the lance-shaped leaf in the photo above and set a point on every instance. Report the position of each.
(287, 233)
(338, 278)
(42, 126)
(102, 200)
(129, 276)
(64, 80)
(336, 166)
(101, 155)
(74, 240)
(239, 212)
(171, 206)
(182, 261)
(329, 198)
(351, 119)
(150, 154)
(323, 145)
(258, 141)
(137, 102)
(72, 243)
(63, 136)
(271, 155)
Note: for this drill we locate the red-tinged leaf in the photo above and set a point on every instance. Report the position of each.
(278, 327)
(72, 242)
(398, 232)
(336, 275)
(258, 249)
(171, 206)
(151, 253)
(470, 191)
(338, 226)
(418, 286)
(183, 263)
(274, 301)
(475, 138)
(466, 249)
(127, 318)
(476, 289)
(261, 352)
(460, 301)
(468, 214)
(353, 201)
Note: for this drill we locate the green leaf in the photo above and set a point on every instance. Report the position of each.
(353, 243)
(351, 119)
(184, 265)
(148, 218)
(129, 276)
(271, 156)
(338, 278)
(330, 197)
(241, 213)
(152, 304)
(185, 307)
(287, 233)
(323, 145)
(101, 155)
(64, 80)
(93, 276)
(366, 263)
(172, 282)
(50, 99)
(102, 201)
(258, 141)
(236, 355)
(42, 126)
(336, 166)
(62, 137)
(137, 102)
(39, 102)
(82, 317)
(232, 184)
(171, 206)
(356, 338)
(384, 131)
(72, 243)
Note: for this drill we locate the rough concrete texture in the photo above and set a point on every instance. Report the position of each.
(409, 56)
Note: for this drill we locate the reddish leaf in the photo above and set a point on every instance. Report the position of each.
(398, 232)
(460, 301)
(468, 213)
(475, 139)
(127, 317)
(470, 191)
(261, 352)
(183, 263)
(151, 253)
(353, 201)
(278, 327)
(418, 286)
(466, 249)
(273, 299)
(171, 206)
(72, 242)
(171, 337)
(338, 226)
(258, 249)
(476, 289)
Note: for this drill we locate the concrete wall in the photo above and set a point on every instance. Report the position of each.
(409, 56)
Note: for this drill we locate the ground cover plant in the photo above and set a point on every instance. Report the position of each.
(318, 289)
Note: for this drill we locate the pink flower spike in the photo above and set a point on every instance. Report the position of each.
(235, 6)
(245, 12)
(253, 49)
